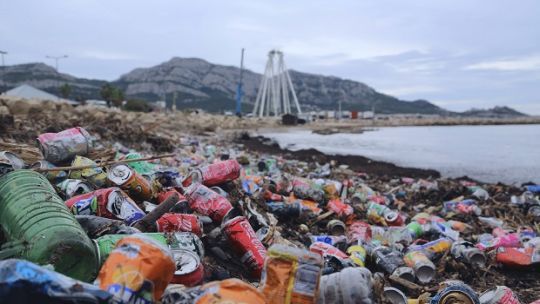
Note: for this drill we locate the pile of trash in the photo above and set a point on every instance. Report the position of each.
(22, 120)
(213, 223)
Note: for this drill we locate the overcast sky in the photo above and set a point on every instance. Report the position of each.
(457, 53)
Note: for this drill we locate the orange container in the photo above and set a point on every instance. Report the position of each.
(230, 291)
(137, 270)
(291, 275)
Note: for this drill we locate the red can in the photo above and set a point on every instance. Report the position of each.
(220, 172)
(207, 202)
(162, 196)
(325, 249)
(359, 231)
(110, 203)
(499, 295)
(189, 269)
(270, 196)
(340, 208)
(245, 243)
(178, 222)
(65, 145)
(137, 187)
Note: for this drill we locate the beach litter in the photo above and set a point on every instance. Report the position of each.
(86, 219)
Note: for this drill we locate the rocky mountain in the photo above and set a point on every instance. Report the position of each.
(496, 112)
(197, 83)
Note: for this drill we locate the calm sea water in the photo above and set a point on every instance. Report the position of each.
(509, 154)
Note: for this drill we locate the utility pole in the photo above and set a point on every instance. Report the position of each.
(2, 53)
(339, 110)
(239, 93)
(56, 58)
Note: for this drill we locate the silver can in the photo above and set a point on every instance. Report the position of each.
(64, 146)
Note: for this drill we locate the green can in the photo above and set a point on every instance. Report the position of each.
(107, 243)
(173, 240)
(38, 227)
(415, 229)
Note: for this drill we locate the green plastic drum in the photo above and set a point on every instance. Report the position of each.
(37, 226)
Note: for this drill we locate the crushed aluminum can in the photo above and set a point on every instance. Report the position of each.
(65, 145)
(336, 227)
(383, 215)
(467, 252)
(12, 160)
(328, 239)
(110, 203)
(127, 179)
(357, 254)
(386, 259)
(185, 241)
(53, 176)
(359, 232)
(325, 249)
(306, 189)
(434, 248)
(455, 292)
(189, 269)
(394, 295)
(178, 222)
(94, 175)
(245, 244)
(220, 172)
(340, 208)
(424, 269)
(406, 273)
(207, 202)
(73, 187)
(517, 257)
(164, 195)
(499, 295)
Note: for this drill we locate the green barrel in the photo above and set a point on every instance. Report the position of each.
(38, 227)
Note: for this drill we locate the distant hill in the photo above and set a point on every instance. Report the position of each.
(200, 84)
(45, 77)
(496, 112)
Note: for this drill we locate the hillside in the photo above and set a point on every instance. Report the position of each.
(197, 83)
(45, 77)
(496, 112)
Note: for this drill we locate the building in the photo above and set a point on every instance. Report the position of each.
(29, 92)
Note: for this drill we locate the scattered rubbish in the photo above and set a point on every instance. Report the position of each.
(214, 222)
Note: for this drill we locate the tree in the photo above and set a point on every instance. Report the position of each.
(65, 90)
(117, 97)
(106, 93)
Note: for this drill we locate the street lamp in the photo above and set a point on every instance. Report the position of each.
(56, 58)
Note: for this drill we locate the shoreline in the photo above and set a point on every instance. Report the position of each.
(261, 144)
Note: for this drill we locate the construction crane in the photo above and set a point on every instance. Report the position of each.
(239, 92)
